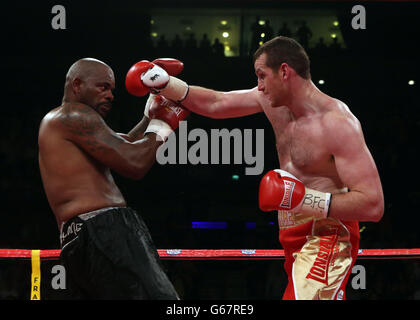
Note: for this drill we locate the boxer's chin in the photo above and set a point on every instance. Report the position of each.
(275, 102)
(103, 109)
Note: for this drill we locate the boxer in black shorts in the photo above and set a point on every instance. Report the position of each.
(112, 263)
(106, 247)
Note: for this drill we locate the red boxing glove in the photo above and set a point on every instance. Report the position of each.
(165, 115)
(172, 66)
(133, 82)
(170, 112)
(280, 190)
(145, 77)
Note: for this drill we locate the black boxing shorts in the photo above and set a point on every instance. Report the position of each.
(109, 254)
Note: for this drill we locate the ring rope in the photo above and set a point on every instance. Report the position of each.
(37, 256)
(224, 254)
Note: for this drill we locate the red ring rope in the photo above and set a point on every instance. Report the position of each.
(37, 256)
(226, 254)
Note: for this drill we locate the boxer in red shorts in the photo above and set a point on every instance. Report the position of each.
(328, 180)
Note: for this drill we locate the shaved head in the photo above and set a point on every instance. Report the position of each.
(84, 68)
(90, 81)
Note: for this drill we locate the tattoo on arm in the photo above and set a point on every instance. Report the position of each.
(88, 126)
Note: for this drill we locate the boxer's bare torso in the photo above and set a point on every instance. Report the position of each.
(301, 143)
(78, 150)
(73, 180)
(325, 148)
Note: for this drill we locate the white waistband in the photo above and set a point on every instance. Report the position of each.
(89, 215)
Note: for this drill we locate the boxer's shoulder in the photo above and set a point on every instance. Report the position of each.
(260, 97)
(70, 119)
(337, 114)
(75, 110)
(49, 122)
(65, 112)
(78, 118)
(340, 128)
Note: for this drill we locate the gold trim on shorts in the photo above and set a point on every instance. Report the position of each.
(323, 262)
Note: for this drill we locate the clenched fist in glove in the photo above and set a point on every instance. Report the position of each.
(165, 115)
(280, 190)
(157, 77)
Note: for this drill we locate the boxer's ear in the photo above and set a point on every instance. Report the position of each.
(284, 71)
(76, 84)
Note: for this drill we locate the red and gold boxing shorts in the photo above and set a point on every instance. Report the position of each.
(319, 255)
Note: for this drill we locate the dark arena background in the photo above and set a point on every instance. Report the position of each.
(375, 71)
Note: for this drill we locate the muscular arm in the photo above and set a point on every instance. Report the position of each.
(217, 104)
(85, 128)
(357, 170)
